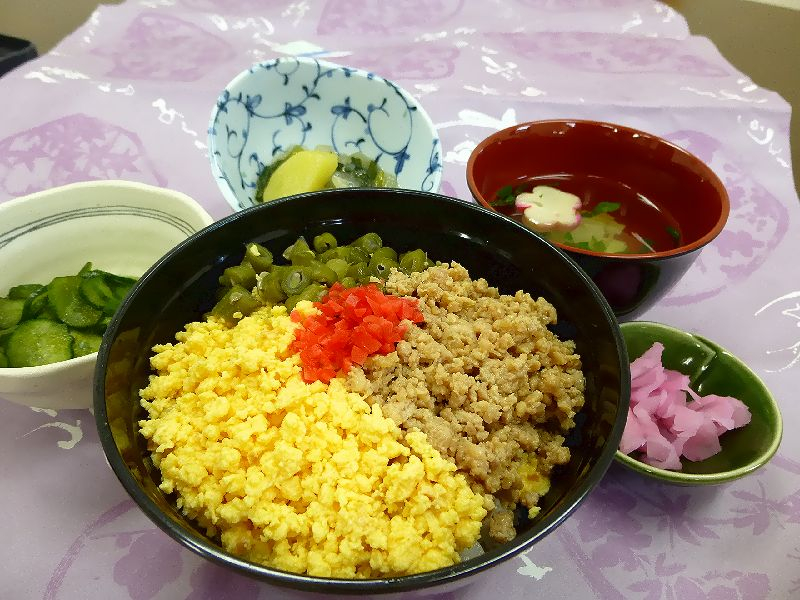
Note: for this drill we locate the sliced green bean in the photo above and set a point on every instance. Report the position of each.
(385, 252)
(413, 261)
(358, 271)
(299, 253)
(243, 275)
(258, 256)
(324, 242)
(238, 302)
(368, 242)
(295, 280)
(321, 273)
(380, 267)
(269, 288)
(339, 266)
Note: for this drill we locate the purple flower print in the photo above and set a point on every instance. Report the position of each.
(611, 513)
(211, 582)
(601, 52)
(160, 47)
(674, 513)
(757, 511)
(415, 61)
(376, 17)
(232, 7)
(757, 223)
(732, 585)
(611, 520)
(153, 560)
(73, 148)
(561, 5)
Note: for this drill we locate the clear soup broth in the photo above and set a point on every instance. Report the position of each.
(615, 219)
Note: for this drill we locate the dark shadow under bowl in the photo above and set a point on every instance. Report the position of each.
(181, 287)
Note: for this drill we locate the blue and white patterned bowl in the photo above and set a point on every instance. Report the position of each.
(291, 101)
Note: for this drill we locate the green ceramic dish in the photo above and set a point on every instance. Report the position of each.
(712, 370)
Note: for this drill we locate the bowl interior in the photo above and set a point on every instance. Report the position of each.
(56, 232)
(712, 370)
(618, 159)
(182, 287)
(286, 102)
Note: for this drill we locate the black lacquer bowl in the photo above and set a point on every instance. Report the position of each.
(181, 287)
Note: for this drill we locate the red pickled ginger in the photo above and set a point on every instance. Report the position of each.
(667, 419)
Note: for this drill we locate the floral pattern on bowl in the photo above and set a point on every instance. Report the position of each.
(286, 102)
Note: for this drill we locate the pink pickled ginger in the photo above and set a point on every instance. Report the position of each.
(667, 419)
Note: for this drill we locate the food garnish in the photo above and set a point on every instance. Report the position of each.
(664, 424)
(301, 170)
(257, 281)
(546, 208)
(348, 326)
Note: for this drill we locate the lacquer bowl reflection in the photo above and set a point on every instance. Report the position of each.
(639, 167)
(181, 288)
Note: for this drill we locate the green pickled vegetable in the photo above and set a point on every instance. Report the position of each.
(10, 312)
(69, 304)
(24, 291)
(84, 342)
(61, 320)
(38, 342)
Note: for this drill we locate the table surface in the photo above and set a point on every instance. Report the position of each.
(128, 95)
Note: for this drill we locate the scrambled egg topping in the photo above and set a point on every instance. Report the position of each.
(302, 477)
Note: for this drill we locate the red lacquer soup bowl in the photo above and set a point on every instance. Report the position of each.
(654, 204)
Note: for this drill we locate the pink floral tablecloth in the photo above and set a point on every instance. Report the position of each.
(129, 94)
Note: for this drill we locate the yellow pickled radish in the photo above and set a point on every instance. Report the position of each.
(306, 171)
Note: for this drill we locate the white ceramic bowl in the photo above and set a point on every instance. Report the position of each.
(120, 226)
(286, 102)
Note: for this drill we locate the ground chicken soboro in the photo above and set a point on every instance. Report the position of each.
(492, 387)
(302, 477)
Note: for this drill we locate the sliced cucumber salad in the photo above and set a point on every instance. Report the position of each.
(43, 324)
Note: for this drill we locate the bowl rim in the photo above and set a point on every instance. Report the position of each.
(182, 197)
(706, 173)
(681, 477)
(463, 570)
(45, 370)
(220, 178)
